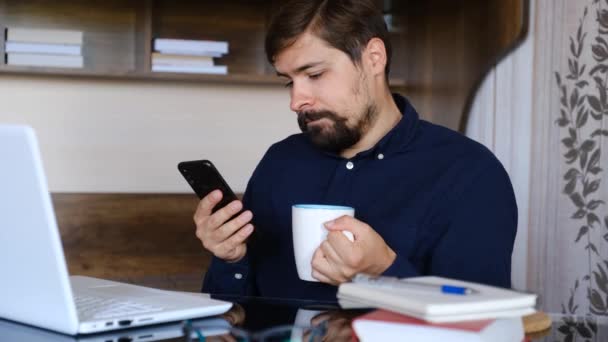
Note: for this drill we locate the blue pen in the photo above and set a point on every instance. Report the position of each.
(396, 283)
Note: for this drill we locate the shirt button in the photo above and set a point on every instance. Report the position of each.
(380, 156)
(350, 165)
(238, 276)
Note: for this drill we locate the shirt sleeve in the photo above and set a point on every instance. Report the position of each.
(401, 268)
(228, 278)
(235, 278)
(478, 242)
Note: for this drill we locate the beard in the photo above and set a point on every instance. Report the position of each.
(337, 136)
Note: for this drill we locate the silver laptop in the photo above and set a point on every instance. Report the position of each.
(35, 288)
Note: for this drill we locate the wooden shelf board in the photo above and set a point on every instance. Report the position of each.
(156, 76)
(134, 75)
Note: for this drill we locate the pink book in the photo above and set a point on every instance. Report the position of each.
(382, 325)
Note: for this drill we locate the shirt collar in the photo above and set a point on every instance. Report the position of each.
(399, 137)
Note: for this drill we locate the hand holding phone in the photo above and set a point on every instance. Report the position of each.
(223, 233)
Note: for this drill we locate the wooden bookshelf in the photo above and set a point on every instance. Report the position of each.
(442, 49)
(118, 35)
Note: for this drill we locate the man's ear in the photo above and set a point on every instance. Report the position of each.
(375, 56)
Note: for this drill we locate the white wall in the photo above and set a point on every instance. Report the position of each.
(128, 136)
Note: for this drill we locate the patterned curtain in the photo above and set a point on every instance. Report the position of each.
(569, 226)
(566, 202)
(568, 241)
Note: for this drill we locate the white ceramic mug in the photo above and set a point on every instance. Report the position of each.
(307, 223)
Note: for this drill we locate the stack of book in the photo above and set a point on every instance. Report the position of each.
(383, 325)
(44, 47)
(440, 309)
(188, 56)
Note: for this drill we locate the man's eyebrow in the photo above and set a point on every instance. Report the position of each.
(300, 69)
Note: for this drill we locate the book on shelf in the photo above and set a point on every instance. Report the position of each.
(193, 53)
(49, 36)
(59, 61)
(382, 325)
(181, 60)
(214, 70)
(191, 47)
(423, 298)
(43, 48)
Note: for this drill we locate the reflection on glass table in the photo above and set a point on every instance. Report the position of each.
(250, 318)
(269, 319)
(568, 328)
(309, 325)
(276, 319)
(14, 332)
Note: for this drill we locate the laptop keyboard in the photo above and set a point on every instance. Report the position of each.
(98, 307)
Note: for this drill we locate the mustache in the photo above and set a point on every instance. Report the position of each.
(316, 115)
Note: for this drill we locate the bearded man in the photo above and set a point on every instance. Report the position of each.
(428, 200)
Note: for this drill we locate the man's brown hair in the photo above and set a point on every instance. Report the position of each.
(347, 25)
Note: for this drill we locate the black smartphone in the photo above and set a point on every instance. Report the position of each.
(203, 177)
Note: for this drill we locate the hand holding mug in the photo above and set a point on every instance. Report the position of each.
(309, 232)
(338, 259)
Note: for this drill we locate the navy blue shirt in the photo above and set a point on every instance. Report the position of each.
(440, 200)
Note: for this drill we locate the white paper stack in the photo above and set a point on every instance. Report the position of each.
(188, 56)
(44, 47)
(419, 297)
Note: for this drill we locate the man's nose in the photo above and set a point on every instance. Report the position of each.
(301, 98)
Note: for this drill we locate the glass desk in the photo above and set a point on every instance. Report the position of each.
(280, 320)
(250, 318)
(568, 328)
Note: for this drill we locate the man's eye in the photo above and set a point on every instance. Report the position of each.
(315, 76)
(288, 84)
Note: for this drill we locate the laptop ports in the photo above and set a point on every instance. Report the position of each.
(125, 322)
